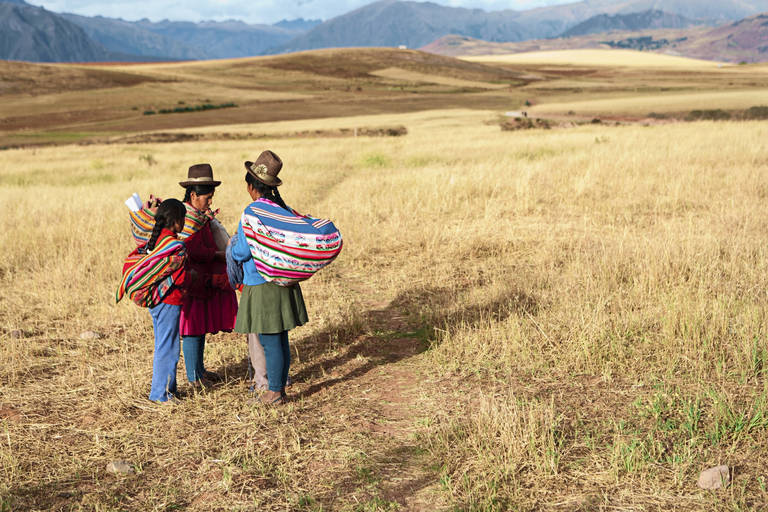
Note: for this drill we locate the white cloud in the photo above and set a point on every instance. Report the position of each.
(251, 11)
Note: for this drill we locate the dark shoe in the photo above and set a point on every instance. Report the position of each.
(201, 385)
(211, 376)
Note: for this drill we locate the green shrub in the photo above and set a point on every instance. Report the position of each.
(757, 112)
(708, 115)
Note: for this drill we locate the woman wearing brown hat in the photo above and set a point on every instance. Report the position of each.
(210, 305)
(267, 309)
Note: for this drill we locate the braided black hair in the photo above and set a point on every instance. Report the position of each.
(266, 191)
(170, 212)
(201, 190)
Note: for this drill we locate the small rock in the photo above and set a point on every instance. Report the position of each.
(119, 467)
(9, 413)
(89, 335)
(17, 334)
(715, 478)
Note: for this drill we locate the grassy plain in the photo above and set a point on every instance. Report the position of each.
(622, 58)
(565, 319)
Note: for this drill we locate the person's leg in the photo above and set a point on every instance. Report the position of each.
(192, 356)
(273, 353)
(200, 352)
(165, 319)
(258, 363)
(286, 357)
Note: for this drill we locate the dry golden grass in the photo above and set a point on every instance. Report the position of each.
(624, 58)
(563, 319)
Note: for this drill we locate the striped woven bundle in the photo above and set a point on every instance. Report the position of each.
(288, 247)
(147, 278)
(142, 222)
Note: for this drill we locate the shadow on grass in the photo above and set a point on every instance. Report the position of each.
(405, 327)
(83, 492)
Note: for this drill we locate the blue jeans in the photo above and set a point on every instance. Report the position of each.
(165, 319)
(278, 356)
(193, 348)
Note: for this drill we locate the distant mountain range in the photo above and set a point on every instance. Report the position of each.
(187, 40)
(29, 33)
(652, 19)
(35, 34)
(415, 24)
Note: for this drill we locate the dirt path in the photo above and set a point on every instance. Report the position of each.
(376, 402)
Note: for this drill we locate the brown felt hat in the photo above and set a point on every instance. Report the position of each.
(266, 168)
(200, 174)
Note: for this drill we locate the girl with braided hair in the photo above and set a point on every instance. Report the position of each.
(267, 311)
(169, 220)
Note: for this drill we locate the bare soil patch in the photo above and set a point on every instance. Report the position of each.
(34, 79)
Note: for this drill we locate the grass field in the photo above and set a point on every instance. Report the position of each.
(569, 319)
(564, 319)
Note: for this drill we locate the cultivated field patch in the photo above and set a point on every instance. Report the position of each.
(642, 104)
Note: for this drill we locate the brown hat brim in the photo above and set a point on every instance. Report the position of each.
(186, 184)
(271, 181)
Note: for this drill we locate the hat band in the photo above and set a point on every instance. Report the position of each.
(200, 179)
(260, 171)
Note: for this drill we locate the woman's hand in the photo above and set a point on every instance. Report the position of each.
(153, 203)
(220, 281)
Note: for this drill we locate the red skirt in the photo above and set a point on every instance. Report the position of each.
(208, 315)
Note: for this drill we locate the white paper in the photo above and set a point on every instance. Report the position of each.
(134, 202)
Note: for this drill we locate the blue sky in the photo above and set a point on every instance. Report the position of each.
(251, 11)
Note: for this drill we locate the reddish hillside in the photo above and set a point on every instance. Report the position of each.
(742, 41)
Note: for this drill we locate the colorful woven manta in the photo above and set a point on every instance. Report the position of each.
(147, 278)
(288, 247)
(142, 222)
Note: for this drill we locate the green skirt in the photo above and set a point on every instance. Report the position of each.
(270, 309)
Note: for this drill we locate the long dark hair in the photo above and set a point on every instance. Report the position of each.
(201, 190)
(170, 212)
(266, 191)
